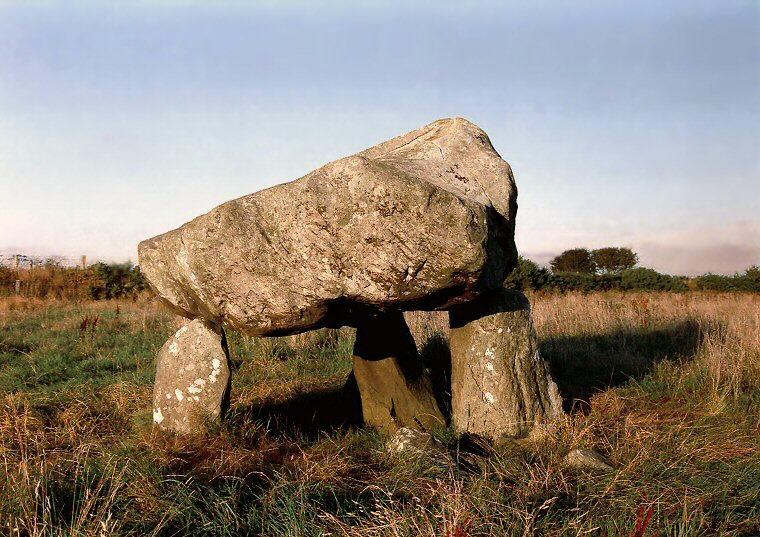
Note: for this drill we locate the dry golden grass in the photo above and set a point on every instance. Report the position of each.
(666, 386)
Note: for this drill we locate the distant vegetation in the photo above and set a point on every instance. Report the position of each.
(612, 268)
(577, 269)
(51, 280)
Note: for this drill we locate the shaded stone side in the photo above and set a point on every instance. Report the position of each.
(394, 387)
(192, 378)
(500, 385)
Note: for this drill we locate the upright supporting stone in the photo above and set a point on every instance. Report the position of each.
(192, 378)
(500, 385)
(395, 389)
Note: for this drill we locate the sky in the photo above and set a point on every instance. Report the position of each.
(630, 124)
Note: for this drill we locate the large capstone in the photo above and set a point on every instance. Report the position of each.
(192, 379)
(423, 221)
(500, 385)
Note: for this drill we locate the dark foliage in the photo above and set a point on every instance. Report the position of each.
(747, 281)
(574, 260)
(527, 275)
(613, 259)
(530, 276)
(649, 279)
(116, 281)
(51, 280)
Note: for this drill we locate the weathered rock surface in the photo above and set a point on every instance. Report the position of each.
(586, 459)
(395, 389)
(192, 378)
(500, 385)
(408, 440)
(423, 221)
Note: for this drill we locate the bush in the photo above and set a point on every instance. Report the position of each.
(527, 275)
(7, 278)
(747, 281)
(583, 282)
(116, 281)
(651, 280)
(51, 280)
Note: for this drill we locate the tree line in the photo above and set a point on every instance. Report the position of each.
(577, 269)
(615, 268)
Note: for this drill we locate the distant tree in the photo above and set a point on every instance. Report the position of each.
(575, 260)
(614, 259)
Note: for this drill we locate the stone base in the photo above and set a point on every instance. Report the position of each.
(395, 389)
(500, 385)
(192, 379)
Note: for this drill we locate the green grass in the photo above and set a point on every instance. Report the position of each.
(666, 388)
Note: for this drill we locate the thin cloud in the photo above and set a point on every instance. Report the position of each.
(727, 249)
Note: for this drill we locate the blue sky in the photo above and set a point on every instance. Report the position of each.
(627, 123)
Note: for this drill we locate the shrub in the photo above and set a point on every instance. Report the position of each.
(51, 280)
(527, 275)
(583, 282)
(7, 278)
(117, 280)
(747, 281)
(649, 279)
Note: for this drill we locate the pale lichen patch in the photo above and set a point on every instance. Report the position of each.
(158, 416)
(196, 386)
(216, 370)
(178, 393)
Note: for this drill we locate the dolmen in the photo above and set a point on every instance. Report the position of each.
(424, 221)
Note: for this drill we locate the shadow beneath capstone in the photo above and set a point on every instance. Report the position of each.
(585, 364)
(308, 412)
(580, 365)
(436, 357)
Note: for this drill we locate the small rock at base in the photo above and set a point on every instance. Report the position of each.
(411, 441)
(586, 459)
(407, 439)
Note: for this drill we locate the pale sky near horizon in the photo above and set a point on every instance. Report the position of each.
(626, 123)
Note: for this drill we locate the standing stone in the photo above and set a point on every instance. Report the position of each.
(192, 378)
(500, 384)
(394, 386)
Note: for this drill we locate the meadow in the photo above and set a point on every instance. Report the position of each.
(665, 385)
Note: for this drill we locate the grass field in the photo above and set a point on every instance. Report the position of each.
(666, 386)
